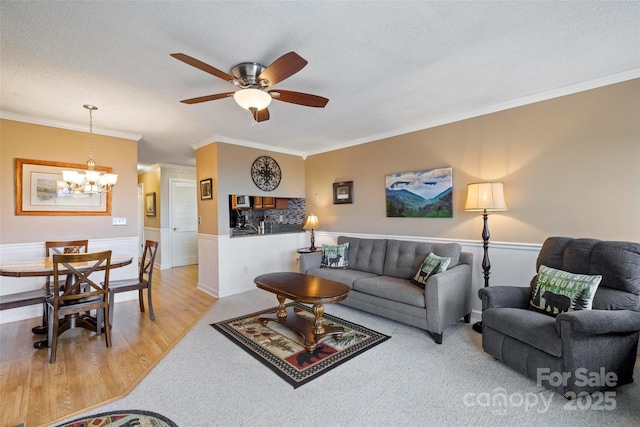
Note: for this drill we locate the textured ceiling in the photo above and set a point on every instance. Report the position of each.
(387, 67)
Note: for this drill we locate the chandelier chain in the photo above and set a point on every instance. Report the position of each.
(91, 133)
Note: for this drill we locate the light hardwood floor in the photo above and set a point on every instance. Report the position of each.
(87, 374)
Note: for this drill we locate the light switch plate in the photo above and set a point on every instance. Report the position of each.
(119, 221)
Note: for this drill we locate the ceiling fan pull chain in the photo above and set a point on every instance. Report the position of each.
(254, 117)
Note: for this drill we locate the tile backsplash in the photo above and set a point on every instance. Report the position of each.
(279, 220)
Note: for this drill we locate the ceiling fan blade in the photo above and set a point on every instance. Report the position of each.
(284, 67)
(202, 66)
(260, 115)
(207, 98)
(299, 98)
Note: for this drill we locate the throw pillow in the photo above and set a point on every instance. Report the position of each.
(335, 256)
(558, 291)
(432, 264)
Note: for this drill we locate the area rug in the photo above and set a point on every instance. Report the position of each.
(122, 419)
(277, 348)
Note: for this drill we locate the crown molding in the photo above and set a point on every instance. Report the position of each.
(545, 96)
(248, 144)
(145, 169)
(66, 125)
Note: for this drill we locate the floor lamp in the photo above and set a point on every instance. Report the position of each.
(312, 222)
(485, 197)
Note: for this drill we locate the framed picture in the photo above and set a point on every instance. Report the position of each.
(150, 204)
(342, 192)
(40, 190)
(420, 194)
(206, 192)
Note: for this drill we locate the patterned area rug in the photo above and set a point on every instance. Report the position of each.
(278, 348)
(122, 419)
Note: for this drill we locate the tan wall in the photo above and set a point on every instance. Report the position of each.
(234, 177)
(30, 141)
(207, 167)
(151, 183)
(570, 166)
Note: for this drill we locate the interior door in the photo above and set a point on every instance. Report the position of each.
(183, 222)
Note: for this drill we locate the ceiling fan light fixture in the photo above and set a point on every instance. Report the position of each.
(252, 98)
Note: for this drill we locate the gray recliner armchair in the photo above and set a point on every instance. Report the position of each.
(575, 351)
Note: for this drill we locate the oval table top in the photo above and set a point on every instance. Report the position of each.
(302, 288)
(44, 266)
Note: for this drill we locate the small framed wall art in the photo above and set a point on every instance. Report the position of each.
(150, 204)
(206, 192)
(342, 192)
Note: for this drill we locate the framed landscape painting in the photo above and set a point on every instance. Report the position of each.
(420, 194)
(40, 190)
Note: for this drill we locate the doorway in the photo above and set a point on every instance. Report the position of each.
(183, 222)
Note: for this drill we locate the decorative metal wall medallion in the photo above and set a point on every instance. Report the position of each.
(266, 173)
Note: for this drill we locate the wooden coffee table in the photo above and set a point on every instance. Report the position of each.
(304, 289)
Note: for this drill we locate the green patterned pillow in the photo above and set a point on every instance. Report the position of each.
(432, 264)
(335, 256)
(558, 291)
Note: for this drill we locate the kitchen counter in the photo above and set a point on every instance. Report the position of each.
(270, 231)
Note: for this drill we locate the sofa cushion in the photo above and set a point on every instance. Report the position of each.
(432, 264)
(404, 257)
(345, 276)
(391, 288)
(530, 327)
(335, 256)
(557, 291)
(365, 254)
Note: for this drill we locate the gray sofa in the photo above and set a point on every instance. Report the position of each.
(379, 277)
(580, 344)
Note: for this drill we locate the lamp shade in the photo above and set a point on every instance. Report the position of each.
(485, 195)
(252, 98)
(312, 223)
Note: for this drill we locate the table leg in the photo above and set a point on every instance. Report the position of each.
(282, 310)
(318, 311)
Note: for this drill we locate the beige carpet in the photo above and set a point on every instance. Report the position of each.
(206, 380)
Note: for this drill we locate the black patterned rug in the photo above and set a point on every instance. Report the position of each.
(122, 419)
(277, 348)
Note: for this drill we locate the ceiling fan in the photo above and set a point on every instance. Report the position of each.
(253, 79)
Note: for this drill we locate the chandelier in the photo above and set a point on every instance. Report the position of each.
(90, 181)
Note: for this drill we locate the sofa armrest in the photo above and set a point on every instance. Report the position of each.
(448, 297)
(505, 296)
(599, 322)
(310, 260)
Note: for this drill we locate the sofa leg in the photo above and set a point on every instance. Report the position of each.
(437, 338)
(467, 318)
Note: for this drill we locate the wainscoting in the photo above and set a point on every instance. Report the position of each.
(512, 264)
(227, 266)
(21, 251)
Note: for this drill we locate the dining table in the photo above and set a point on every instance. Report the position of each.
(43, 267)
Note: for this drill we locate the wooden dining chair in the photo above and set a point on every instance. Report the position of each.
(53, 247)
(145, 274)
(57, 247)
(79, 295)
